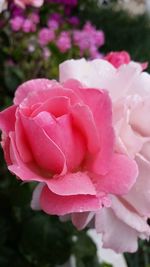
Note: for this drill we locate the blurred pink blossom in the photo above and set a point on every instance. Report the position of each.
(89, 39)
(64, 42)
(17, 23)
(45, 36)
(35, 18)
(28, 26)
(53, 24)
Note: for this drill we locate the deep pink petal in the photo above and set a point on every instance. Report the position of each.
(84, 121)
(100, 105)
(120, 178)
(45, 152)
(101, 161)
(60, 205)
(7, 119)
(21, 140)
(38, 98)
(25, 171)
(57, 106)
(78, 183)
(65, 136)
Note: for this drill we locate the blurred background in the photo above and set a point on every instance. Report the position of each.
(33, 42)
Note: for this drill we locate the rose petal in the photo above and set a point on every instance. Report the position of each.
(78, 183)
(139, 195)
(65, 136)
(92, 74)
(101, 74)
(38, 98)
(25, 171)
(60, 205)
(116, 234)
(83, 119)
(7, 119)
(100, 105)
(45, 152)
(131, 140)
(132, 219)
(81, 220)
(120, 178)
(31, 86)
(21, 140)
(57, 106)
(138, 119)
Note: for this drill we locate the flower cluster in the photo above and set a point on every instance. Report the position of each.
(89, 39)
(48, 36)
(28, 24)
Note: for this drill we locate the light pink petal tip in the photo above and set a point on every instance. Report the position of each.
(30, 87)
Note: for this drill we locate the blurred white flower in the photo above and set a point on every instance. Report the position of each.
(3, 5)
(106, 255)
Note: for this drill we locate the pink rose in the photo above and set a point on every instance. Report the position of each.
(119, 58)
(23, 3)
(129, 89)
(61, 136)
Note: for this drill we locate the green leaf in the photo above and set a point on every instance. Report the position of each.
(45, 240)
(13, 77)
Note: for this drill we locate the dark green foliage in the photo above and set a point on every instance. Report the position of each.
(122, 31)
